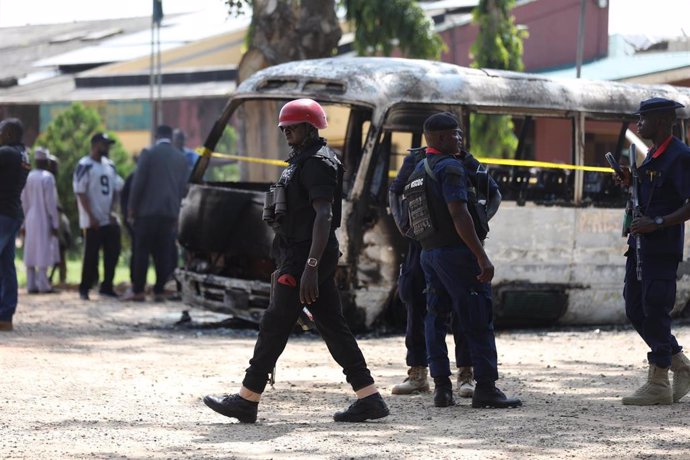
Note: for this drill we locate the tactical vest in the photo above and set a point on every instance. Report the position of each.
(430, 219)
(297, 223)
(398, 204)
(477, 196)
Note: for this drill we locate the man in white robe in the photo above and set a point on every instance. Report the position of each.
(41, 246)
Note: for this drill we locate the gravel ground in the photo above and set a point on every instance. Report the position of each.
(105, 379)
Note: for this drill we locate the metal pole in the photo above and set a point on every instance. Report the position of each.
(152, 102)
(581, 37)
(160, 76)
(579, 156)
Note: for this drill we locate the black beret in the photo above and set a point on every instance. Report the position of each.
(443, 121)
(656, 104)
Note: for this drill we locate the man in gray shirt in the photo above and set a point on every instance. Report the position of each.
(159, 184)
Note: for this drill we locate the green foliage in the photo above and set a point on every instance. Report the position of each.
(220, 170)
(498, 46)
(499, 42)
(382, 25)
(68, 137)
(492, 136)
(236, 7)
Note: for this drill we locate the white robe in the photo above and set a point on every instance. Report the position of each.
(39, 200)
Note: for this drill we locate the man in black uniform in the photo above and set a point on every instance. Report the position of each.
(663, 191)
(455, 265)
(411, 283)
(14, 168)
(304, 208)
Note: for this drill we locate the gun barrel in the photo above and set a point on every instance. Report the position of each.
(636, 210)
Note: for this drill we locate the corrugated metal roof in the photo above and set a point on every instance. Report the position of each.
(21, 47)
(176, 31)
(625, 67)
(63, 88)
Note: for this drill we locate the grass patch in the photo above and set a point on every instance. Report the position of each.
(74, 266)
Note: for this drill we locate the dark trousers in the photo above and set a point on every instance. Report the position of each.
(154, 236)
(279, 320)
(412, 291)
(648, 305)
(106, 237)
(9, 228)
(130, 232)
(451, 274)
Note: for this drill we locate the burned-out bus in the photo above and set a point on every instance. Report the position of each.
(556, 241)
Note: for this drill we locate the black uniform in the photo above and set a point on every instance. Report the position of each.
(313, 173)
(664, 187)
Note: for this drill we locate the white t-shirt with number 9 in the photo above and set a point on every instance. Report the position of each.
(99, 181)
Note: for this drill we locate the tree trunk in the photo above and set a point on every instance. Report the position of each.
(289, 30)
(281, 31)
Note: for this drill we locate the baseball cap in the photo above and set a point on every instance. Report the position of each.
(101, 137)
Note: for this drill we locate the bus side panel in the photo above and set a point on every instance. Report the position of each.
(575, 255)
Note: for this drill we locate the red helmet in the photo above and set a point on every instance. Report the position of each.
(303, 111)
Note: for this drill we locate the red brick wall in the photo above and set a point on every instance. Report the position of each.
(552, 41)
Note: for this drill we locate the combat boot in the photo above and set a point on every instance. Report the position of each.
(416, 382)
(465, 382)
(657, 389)
(680, 366)
(369, 408)
(488, 395)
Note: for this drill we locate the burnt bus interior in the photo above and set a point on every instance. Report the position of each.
(238, 243)
(540, 138)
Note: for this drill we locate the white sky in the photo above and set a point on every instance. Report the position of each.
(22, 12)
(653, 17)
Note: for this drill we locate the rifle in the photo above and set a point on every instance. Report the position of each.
(636, 209)
(627, 215)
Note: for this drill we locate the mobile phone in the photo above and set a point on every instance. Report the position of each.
(614, 164)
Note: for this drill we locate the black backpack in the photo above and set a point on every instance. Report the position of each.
(422, 222)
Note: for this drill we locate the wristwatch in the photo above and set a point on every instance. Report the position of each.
(312, 262)
(659, 221)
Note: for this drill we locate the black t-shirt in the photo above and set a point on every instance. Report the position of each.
(315, 174)
(14, 168)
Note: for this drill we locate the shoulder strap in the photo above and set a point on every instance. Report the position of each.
(429, 167)
(429, 171)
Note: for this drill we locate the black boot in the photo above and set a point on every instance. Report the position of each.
(443, 396)
(490, 396)
(369, 408)
(233, 406)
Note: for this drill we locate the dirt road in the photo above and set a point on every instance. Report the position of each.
(104, 379)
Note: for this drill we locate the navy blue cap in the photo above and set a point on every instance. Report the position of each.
(443, 121)
(101, 137)
(656, 104)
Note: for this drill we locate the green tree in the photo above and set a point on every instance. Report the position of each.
(221, 170)
(381, 26)
(288, 30)
(68, 137)
(498, 46)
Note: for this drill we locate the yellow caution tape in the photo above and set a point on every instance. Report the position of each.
(542, 164)
(201, 151)
(489, 161)
(247, 159)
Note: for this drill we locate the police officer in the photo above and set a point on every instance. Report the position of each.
(411, 283)
(663, 191)
(305, 208)
(454, 263)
